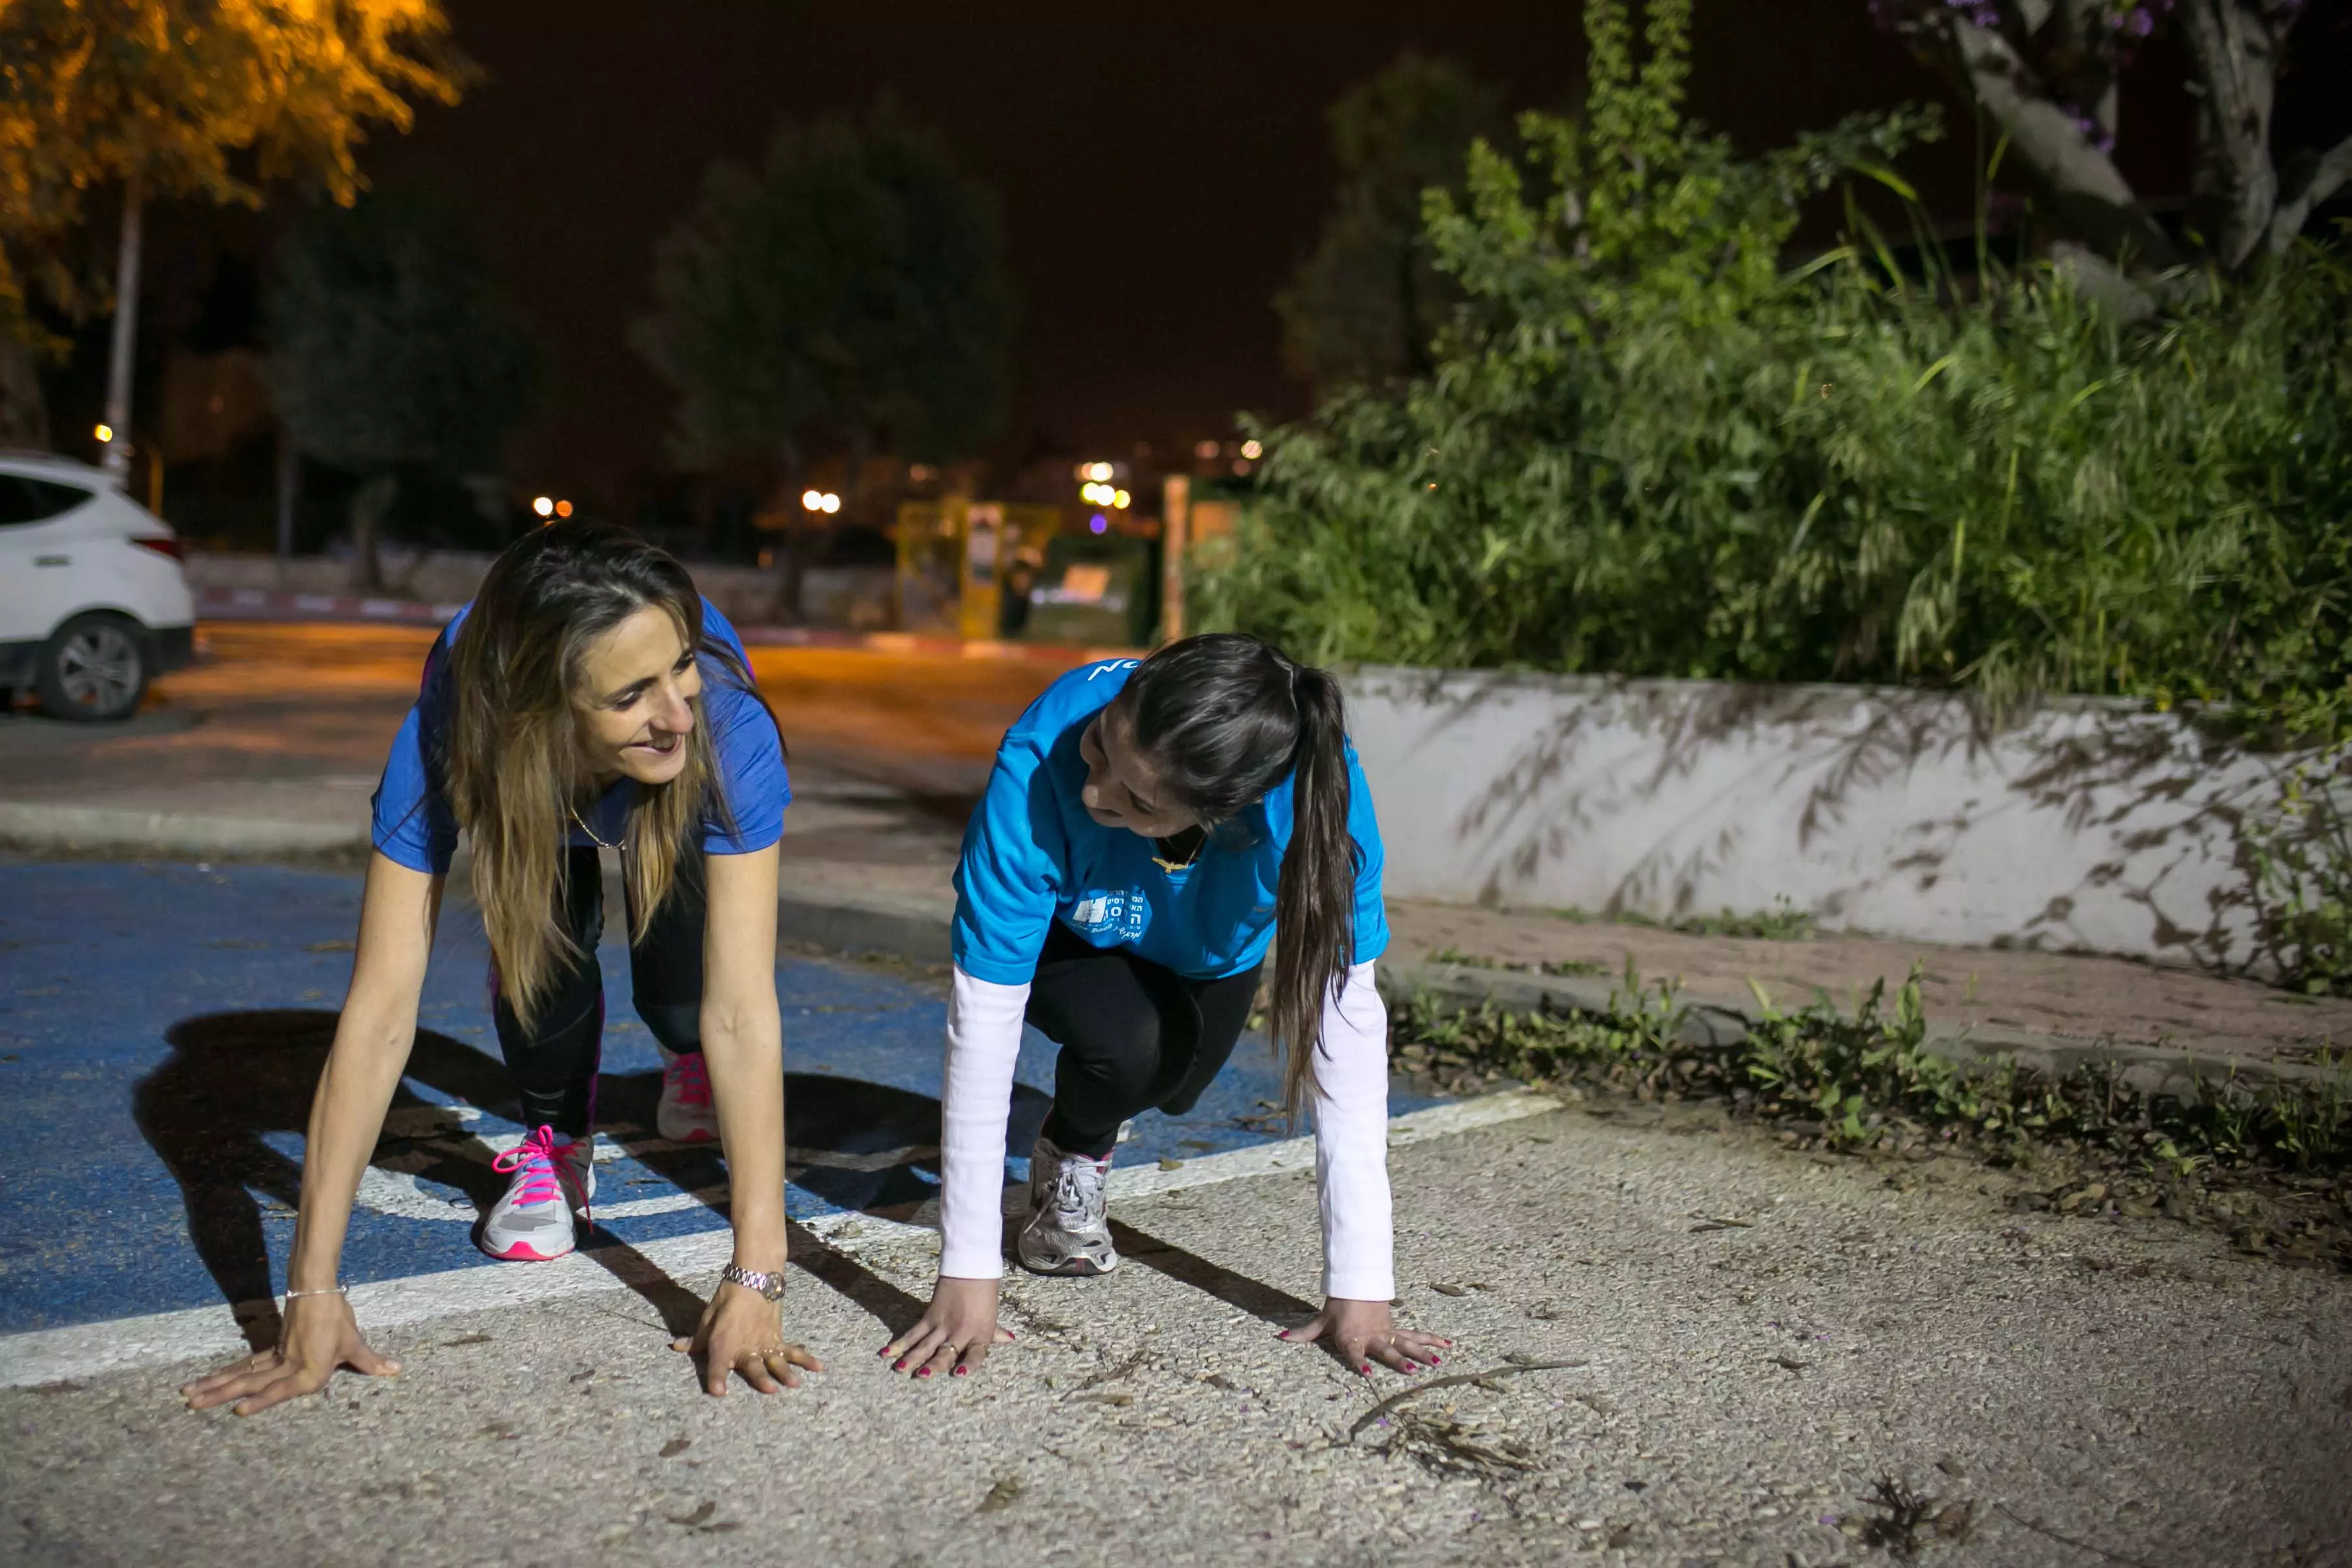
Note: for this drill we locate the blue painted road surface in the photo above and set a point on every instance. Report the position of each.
(161, 1032)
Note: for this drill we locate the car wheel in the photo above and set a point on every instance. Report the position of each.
(94, 668)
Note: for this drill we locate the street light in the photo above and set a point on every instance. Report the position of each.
(1252, 450)
(1119, 500)
(105, 433)
(544, 506)
(563, 509)
(1098, 472)
(820, 501)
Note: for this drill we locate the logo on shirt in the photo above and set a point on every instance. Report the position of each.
(1120, 916)
(1111, 666)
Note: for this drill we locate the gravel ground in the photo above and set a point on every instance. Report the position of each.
(1661, 1386)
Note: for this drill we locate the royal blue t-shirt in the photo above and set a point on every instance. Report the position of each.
(1032, 854)
(415, 828)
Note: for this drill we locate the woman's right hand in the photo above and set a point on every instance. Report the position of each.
(319, 1335)
(957, 1332)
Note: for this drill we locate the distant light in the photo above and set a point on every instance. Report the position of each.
(1252, 450)
(1097, 523)
(1204, 449)
(1241, 465)
(829, 501)
(105, 432)
(544, 506)
(1119, 500)
(813, 501)
(563, 509)
(1098, 472)
(920, 473)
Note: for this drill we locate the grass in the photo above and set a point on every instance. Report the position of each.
(1782, 922)
(1555, 967)
(2271, 1166)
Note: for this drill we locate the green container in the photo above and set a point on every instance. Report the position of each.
(1097, 591)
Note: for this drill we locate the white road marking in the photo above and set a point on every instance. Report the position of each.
(209, 1333)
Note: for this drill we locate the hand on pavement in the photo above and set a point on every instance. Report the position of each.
(319, 1336)
(954, 1334)
(743, 1331)
(1360, 1333)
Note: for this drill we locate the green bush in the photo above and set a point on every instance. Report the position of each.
(1650, 448)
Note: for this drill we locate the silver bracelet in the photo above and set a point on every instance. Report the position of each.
(330, 1290)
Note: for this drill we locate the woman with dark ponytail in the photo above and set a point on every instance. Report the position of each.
(1151, 828)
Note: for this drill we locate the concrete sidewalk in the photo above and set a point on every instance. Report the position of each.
(1629, 1385)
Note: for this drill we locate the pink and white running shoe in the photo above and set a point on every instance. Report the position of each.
(686, 1114)
(552, 1178)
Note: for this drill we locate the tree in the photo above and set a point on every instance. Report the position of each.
(187, 98)
(1363, 306)
(849, 290)
(390, 352)
(2047, 73)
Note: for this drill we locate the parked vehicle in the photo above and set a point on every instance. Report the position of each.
(93, 602)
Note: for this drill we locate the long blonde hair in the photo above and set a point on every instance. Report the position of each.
(514, 768)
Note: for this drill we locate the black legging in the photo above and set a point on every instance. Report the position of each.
(554, 1062)
(1134, 1036)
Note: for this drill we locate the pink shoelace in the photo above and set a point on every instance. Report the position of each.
(689, 1078)
(535, 1157)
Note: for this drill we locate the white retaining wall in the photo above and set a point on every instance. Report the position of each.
(2090, 825)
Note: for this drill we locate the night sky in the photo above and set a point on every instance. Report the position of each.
(1160, 169)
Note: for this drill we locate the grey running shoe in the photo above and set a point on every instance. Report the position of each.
(1069, 1214)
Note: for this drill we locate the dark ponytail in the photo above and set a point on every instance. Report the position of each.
(1226, 717)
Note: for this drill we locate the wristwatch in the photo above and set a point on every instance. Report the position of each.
(771, 1286)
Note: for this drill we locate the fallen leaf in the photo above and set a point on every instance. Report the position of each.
(466, 1340)
(1449, 1290)
(1952, 1467)
(698, 1516)
(1167, 1164)
(1792, 1365)
(675, 1447)
(1001, 1496)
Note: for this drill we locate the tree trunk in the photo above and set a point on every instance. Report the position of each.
(119, 361)
(371, 504)
(2094, 202)
(2234, 52)
(24, 412)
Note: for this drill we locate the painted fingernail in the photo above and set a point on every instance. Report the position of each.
(898, 1366)
(1433, 1360)
(1283, 1335)
(924, 1372)
(1366, 1369)
(962, 1371)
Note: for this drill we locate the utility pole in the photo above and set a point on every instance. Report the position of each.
(1176, 513)
(126, 332)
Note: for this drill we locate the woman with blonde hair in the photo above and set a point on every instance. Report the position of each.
(587, 698)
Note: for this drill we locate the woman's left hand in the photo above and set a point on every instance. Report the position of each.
(743, 1331)
(1360, 1333)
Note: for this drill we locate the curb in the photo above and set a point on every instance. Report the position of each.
(276, 604)
(39, 825)
(1715, 1023)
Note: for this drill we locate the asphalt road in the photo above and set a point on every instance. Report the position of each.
(285, 706)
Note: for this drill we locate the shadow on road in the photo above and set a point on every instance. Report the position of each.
(234, 1079)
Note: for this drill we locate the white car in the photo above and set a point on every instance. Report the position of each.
(93, 602)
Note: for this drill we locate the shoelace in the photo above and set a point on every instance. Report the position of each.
(690, 1076)
(1075, 1186)
(535, 1157)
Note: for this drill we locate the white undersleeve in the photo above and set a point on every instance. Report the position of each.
(1350, 1108)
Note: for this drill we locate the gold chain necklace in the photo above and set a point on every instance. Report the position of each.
(591, 832)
